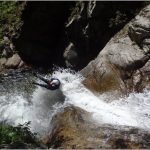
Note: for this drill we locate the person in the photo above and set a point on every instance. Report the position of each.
(51, 84)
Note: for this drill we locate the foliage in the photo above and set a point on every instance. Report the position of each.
(21, 133)
(10, 18)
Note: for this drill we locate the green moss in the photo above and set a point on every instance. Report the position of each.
(10, 18)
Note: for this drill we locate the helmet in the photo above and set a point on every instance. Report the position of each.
(55, 81)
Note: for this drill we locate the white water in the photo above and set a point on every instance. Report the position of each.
(130, 111)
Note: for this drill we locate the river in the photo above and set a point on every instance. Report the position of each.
(21, 101)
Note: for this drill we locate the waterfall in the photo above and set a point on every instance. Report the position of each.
(129, 111)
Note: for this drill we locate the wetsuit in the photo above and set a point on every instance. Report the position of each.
(51, 84)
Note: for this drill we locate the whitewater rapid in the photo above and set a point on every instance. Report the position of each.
(133, 110)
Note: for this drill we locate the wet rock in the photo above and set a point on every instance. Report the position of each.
(13, 61)
(74, 129)
(119, 66)
(71, 56)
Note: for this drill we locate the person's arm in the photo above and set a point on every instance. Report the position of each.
(42, 85)
(43, 79)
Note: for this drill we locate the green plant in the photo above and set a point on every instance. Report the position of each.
(10, 19)
(21, 133)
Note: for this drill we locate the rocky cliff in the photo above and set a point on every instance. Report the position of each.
(61, 33)
(123, 63)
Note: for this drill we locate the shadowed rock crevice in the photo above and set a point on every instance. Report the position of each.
(91, 25)
(42, 38)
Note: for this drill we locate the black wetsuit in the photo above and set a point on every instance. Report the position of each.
(48, 84)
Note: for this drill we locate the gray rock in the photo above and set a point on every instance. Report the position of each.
(71, 56)
(13, 61)
(91, 25)
(122, 59)
(139, 29)
(74, 129)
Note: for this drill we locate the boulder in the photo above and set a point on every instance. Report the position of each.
(121, 65)
(3, 61)
(74, 129)
(13, 61)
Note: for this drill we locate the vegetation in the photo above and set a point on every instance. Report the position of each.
(20, 133)
(10, 18)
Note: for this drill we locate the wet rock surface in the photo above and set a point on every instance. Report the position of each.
(74, 129)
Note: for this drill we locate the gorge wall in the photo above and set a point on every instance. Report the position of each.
(122, 66)
(65, 33)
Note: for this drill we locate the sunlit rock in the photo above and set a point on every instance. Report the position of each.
(120, 64)
(74, 129)
(13, 61)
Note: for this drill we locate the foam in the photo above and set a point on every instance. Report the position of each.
(129, 111)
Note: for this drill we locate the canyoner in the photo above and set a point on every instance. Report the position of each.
(51, 84)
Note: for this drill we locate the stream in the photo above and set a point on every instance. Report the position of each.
(21, 101)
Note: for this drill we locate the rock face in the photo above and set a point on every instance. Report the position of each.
(92, 24)
(43, 30)
(123, 63)
(74, 129)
